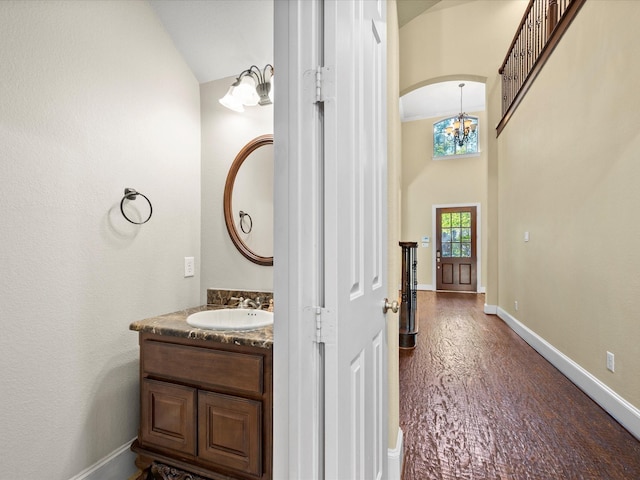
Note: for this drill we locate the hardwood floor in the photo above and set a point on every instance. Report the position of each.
(476, 402)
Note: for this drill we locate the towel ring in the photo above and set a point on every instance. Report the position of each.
(131, 194)
(244, 215)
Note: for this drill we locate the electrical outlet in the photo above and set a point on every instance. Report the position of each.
(611, 362)
(189, 267)
(515, 304)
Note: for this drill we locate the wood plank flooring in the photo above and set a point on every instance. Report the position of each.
(476, 402)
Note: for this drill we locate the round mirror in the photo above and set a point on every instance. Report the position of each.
(248, 201)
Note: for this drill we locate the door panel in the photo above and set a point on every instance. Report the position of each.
(355, 241)
(456, 259)
(464, 275)
(231, 435)
(447, 274)
(168, 416)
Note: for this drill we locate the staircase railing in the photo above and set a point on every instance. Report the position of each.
(542, 26)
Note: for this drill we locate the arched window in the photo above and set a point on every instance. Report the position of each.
(444, 144)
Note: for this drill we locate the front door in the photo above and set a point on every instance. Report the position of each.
(456, 260)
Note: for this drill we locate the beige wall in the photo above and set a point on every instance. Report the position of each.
(482, 28)
(224, 133)
(94, 98)
(427, 54)
(575, 189)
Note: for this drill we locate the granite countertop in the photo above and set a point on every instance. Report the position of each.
(175, 325)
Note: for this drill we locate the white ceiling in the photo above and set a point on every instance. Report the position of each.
(221, 38)
(442, 99)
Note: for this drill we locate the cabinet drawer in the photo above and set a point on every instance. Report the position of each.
(211, 369)
(168, 416)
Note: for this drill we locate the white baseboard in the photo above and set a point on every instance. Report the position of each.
(118, 465)
(624, 412)
(490, 309)
(396, 457)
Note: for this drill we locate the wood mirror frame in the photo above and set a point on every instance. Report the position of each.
(228, 192)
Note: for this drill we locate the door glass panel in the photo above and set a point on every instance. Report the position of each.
(465, 234)
(455, 250)
(446, 235)
(455, 234)
(455, 219)
(446, 249)
(465, 219)
(446, 220)
(466, 250)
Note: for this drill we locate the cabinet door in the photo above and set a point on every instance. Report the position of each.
(168, 416)
(230, 432)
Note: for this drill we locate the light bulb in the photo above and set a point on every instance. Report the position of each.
(246, 92)
(231, 102)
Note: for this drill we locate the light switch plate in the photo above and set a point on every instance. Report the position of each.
(189, 267)
(611, 365)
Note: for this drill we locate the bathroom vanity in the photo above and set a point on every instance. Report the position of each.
(205, 400)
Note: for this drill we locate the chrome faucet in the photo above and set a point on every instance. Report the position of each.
(247, 302)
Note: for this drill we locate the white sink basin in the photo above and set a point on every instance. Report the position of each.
(231, 319)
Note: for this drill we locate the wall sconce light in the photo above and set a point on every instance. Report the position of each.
(252, 87)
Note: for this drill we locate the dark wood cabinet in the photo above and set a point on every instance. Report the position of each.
(230, 431)
(206, 407)
(168, 416)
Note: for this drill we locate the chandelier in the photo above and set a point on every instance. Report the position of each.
(462, 127)
(252, 87)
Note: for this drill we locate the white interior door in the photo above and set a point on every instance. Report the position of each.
(355, 222)
(298, 250)
(330, 379)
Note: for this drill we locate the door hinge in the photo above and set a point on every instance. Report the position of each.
(325, 326)
(324, 85)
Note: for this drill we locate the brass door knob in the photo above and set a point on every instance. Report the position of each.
(393, 306)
